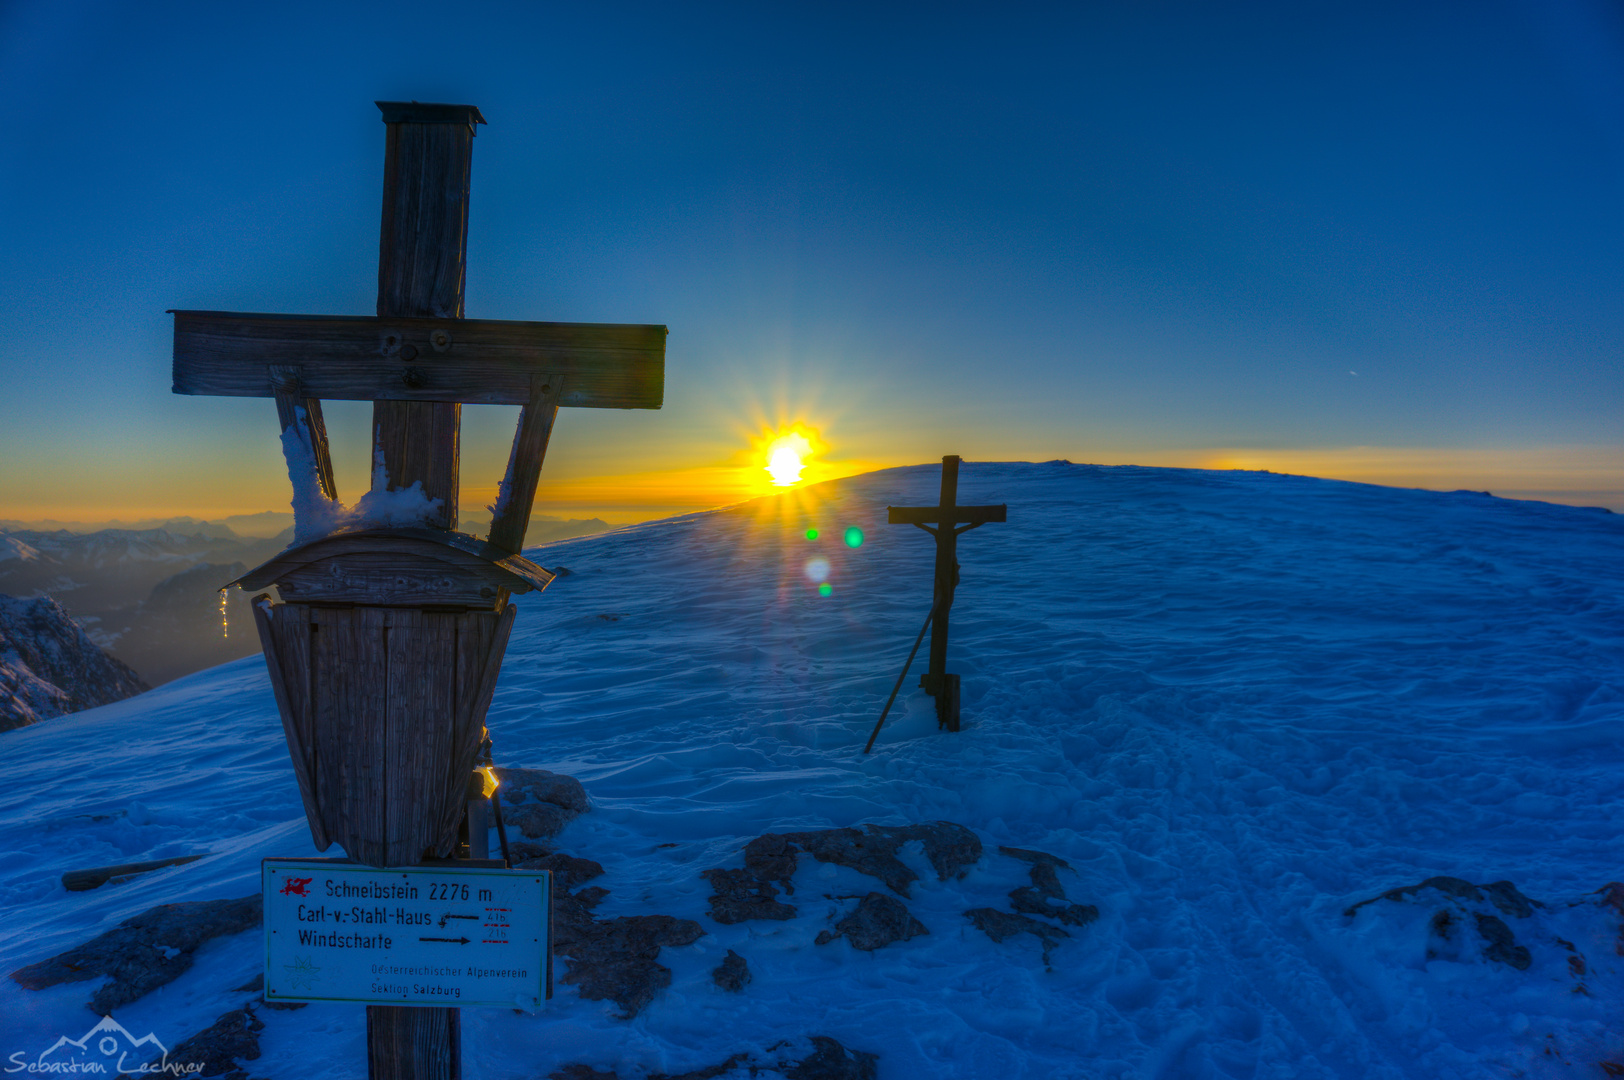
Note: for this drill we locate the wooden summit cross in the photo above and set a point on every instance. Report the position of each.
(945, 522)
(386, 643)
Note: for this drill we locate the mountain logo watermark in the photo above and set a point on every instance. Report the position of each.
(105, 1050)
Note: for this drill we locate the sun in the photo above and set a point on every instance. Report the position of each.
(786, 458)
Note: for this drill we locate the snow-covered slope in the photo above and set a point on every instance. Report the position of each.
(1237, 704)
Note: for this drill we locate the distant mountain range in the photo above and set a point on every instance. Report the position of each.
(150, 597)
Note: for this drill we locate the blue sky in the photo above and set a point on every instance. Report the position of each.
(1373, 241)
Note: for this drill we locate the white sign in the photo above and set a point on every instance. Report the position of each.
(414, 935)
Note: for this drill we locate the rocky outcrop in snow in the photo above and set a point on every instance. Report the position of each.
(540, 803)
(144, 952)
(816, 1057)
(48, 666)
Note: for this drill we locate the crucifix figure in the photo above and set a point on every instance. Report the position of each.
(944, 522)
(387, 632)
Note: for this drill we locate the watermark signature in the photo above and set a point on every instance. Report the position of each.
(105, 1050)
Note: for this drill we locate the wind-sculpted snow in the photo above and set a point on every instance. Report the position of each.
(1232, 706)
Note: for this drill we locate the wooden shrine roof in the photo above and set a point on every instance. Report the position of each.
(400, 566)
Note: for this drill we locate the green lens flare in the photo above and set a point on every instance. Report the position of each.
(854, 537)
(811, 534)
(825, 589)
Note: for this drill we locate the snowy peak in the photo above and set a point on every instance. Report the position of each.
(48, 666)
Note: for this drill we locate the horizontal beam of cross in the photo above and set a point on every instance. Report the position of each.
(370, 358)
(951, 515)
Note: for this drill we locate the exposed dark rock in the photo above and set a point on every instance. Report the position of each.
(538, 821)
(709, 1072)
(1459, 888)
(1042, 872)
(256, 985)
(1502, 894)
(144, 952)
(49, 666)
(1000, 925)
(568, 870)
(740, 895)
(1036, 858)
(832, 1061)
(616, 960)
(732, 974)
(1462, 899)
(1505, 896)
(952, 849)
(1032, 901)
(772, 858)
(1046, 896)
(538, 785)
(522, 851)
(577, 1071)
(219, 1048)
(572, 914)
(869, 849)
(1502, 944)
(540, 803)
(822, 1058)
(877, 921)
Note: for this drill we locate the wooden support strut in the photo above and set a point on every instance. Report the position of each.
(518, 492)
(287, 384)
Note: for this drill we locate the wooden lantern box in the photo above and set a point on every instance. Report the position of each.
(383, 654)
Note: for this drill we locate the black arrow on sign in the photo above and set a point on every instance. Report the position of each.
(453, 940)
(448, 915)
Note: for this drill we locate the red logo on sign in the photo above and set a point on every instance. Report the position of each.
(295, 886)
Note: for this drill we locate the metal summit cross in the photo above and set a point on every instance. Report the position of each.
(949, 520)
(386, 641)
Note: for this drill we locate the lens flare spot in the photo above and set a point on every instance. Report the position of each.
(825, 589)
(786, 457)
(854, 537)
(811, 534)
(817, 568)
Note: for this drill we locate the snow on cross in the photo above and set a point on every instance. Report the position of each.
(383, 699)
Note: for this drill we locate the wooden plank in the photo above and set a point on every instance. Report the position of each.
(518, 493)
(475, 632)
(348, 681)
(409, 1043)
(284, 634)
(362, 358)
(96, 877)
(423, 240)
(287, 384)
(418, 442)
(422, 264)
(420, 723)
(324, 456)
(393, 579)
(934, 515)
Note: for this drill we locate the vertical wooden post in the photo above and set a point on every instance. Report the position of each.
(422, 266)
(936, 679)
(404, 1043)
